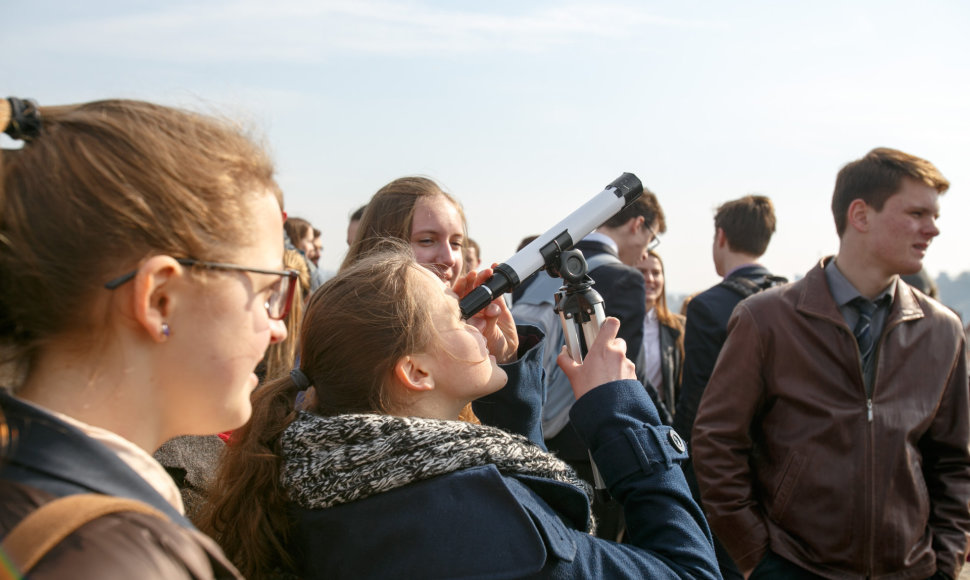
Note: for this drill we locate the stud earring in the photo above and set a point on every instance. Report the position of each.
(166, 331)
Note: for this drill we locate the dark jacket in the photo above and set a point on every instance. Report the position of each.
(623, 292)
(47, 459)
(479, 523)
(665, 394)
(793, 456)
(704, 334)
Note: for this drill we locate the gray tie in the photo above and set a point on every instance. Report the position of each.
(863, 328)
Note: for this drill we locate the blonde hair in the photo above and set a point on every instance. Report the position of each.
(280, 356)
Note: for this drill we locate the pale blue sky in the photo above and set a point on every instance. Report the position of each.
(524, 110)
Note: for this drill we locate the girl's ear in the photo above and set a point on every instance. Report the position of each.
(414, 372)
(154, 295)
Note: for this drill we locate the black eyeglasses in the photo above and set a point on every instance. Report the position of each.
(277, 305)
(654, 241)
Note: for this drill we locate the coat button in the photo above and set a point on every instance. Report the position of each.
(676, 441)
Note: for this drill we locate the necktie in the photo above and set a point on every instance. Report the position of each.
(863, 328)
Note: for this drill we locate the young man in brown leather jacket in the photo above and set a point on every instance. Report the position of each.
(832, 438)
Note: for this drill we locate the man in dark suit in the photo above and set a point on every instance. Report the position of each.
(612, 251)
(743, 228)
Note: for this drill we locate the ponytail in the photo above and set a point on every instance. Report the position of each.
(246, 512)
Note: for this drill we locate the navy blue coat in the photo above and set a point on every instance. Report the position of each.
(479, 523)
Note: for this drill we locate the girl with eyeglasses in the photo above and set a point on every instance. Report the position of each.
(141, 282)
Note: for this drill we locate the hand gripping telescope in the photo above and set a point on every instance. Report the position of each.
(581, 313)
(547, 249)
(580, 308)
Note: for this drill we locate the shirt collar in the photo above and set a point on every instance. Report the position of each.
(602, 238)
(844, 292)
(734, 270)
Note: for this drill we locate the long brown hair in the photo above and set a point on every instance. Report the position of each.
(357, 326)
(390, 214)
(664, 315)
(103, 186)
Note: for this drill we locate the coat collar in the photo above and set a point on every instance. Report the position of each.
(590, 246)
(749, 271)
(51, 455)
(815, 299)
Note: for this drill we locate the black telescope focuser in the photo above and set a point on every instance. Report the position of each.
(545, 250)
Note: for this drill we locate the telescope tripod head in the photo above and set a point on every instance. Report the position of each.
(580, 308)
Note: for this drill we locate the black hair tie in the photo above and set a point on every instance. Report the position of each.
(24, 123)
(299, 379)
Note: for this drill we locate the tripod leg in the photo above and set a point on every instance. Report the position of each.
(571, 335)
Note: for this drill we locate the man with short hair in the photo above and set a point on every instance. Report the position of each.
(742, 229)
(611, 251)
(354, 223)
(473, 256)
(832, 438)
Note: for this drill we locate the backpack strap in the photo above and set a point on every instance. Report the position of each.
(49, 524)
(742, 286)
(746, 287)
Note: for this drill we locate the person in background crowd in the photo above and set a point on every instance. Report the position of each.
(831, 441)
(518, 290)
(416, 210)
(473, 256)
(302, 236)
(354, 224)
(921, 281)
(141, 280)
(317, 246)
(611, 251)
(343, 488)
(742, 229)
(662, 355)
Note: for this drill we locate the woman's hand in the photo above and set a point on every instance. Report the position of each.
(495, 321)
(605, 362)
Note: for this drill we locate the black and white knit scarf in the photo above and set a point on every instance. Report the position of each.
(329, 461)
